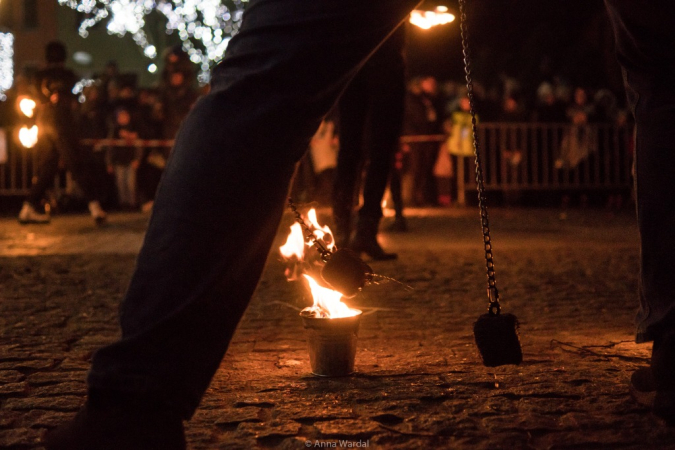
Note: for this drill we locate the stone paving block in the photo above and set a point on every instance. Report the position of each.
(13, 389)
(9, 418)
(47, 378)
(59, 389)
(38, 418)
(62, 403)
(353, 429)
(269, 431)
(11, 376)
(17, 437)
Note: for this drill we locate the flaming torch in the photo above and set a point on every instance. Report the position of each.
(28, 136)
(331, 325)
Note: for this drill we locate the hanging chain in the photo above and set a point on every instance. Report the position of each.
(493, 293)
(309, 232)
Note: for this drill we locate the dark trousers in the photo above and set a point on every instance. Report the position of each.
(371, 118)
(223, 191)
(58, 142)
(645, 38)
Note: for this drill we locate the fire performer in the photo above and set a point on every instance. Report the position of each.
(57, 137)
(371, 113)
(224, 190)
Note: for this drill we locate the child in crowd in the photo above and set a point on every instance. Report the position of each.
(123, 161)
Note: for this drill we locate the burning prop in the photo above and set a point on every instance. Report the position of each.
(341, 269)
(331, 325)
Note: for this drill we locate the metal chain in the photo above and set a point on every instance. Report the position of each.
(493, 293)
(309, 232)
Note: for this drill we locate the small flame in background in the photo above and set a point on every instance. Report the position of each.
(27, 106)
(327, 303)
(28, 136)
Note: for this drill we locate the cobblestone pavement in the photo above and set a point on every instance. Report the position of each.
(419, 382)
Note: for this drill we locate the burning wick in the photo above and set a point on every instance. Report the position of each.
(327, 303)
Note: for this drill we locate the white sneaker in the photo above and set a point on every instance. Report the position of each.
(97, 212)
(29, 215)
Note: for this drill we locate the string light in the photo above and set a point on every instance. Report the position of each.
(6, 63)
(204, 26)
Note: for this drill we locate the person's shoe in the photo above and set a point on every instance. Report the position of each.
(399, 225)
(118, 426)
(97, 212)
(654, 386)
(365, 241)
(28, 214)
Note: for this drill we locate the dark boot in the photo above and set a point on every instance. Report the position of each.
(116, 422)
(365, 240)
(654, 386)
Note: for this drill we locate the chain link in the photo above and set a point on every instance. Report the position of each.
(309, 232)
(493, 293)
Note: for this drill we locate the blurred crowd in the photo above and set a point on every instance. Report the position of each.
(111, 105)
(441, 109)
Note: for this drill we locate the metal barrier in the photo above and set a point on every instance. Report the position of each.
(515, 156)
(545, 157)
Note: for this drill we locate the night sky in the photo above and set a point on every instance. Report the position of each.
(527, 39)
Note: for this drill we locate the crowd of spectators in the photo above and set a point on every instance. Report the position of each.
(441, 109)
(111, 105)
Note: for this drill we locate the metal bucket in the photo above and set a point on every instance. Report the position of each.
(332, 344)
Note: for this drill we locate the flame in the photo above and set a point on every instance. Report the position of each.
(27, 106)
(327, 302)
(28, 136)
(428, 19)
(295, 244)
(320, 232)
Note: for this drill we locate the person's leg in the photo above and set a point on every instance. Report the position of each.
(223, 192)
(121, 183)
(353, 108)
(131, 187)
(645, 37)
(387, 84)
(48, 159)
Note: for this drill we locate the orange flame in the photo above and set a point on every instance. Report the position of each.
(327, 302)
(295, 244)
(27, 106)
(28, 136)
(322, 233)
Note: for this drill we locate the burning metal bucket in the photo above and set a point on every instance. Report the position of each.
(332, 344)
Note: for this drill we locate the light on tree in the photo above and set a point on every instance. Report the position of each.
(204, 26)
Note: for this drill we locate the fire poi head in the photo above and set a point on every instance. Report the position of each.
(326, 298)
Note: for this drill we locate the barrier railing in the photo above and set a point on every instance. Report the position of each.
(515, 156)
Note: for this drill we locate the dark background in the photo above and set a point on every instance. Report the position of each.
(530, 40)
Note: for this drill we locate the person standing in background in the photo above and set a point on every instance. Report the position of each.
(371, 118)
(58, 140)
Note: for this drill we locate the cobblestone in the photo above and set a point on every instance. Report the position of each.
(419, 381)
